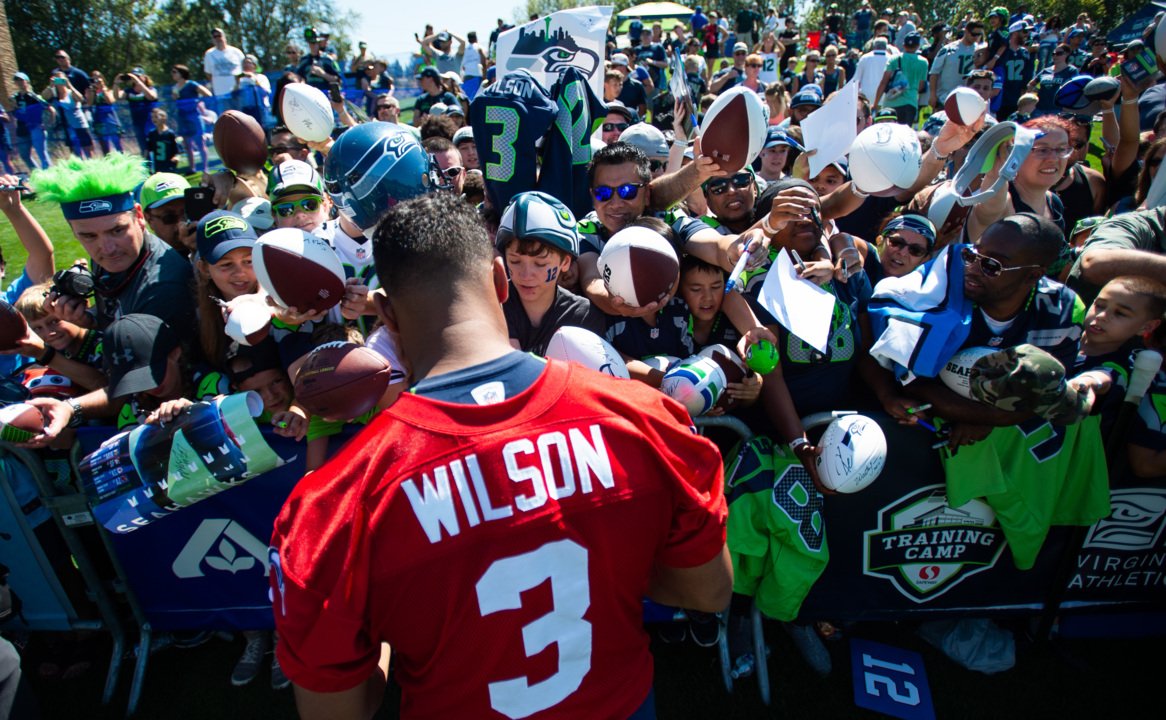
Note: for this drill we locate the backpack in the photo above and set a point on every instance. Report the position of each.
(898, 84)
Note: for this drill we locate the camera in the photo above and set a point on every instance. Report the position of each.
(74, 281)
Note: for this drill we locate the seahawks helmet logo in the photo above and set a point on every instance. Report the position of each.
(95, 206)
(223, 223)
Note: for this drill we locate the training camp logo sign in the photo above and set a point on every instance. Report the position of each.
(925, 547)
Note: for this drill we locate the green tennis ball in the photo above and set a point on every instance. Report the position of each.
(762, 358)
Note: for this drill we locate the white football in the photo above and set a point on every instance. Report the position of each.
(964, 106)
(639, 265)
(573, 344)
(697, 383)
(955, 373)
(298, 269)
(307, 112)
(734, 128)
(661, 362)
(249, 323)
(885, 159)
(854, 451)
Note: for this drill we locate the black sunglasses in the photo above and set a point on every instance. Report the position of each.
(740, 181)
(609, 127)
(627, 191)
(990, 267)
(898, 243)
(655, 165)
(277, 149)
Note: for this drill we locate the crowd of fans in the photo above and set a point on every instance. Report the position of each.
(1067, 256)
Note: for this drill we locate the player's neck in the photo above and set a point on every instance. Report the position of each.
(466, 333)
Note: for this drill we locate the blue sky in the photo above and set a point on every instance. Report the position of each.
(388, 27)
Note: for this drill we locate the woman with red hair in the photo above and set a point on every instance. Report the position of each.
(1032, 190)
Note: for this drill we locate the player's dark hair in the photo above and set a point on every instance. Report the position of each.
(692, 262)
(618, 153)
(437, 144)
(662, 229)
(474, 187)
(1043, 239)
(1151, 290)
(437, 126)
(434, 241)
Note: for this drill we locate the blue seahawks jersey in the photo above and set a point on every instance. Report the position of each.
(508, 118)
(1018, 69)
(635, 338)
(593, 236)
(567, 149)
(1050, 319)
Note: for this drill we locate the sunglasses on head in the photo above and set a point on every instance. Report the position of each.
(627, 191)
(720, 185)
(989, 267)
(610, 127)
(897, 243)
(308, 204)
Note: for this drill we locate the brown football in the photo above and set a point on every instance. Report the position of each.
(341, 381)
(13, 326)
(240, 142)
(733, 368)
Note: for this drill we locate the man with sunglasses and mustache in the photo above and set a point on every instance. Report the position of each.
(1014, 303)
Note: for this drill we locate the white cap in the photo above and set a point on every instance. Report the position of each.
(257, 212)
(647, 138)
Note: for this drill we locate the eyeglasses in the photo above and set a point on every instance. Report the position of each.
(1040, 153)
(1060, 52)
(740, 181)
(168, 218)
(897, 243)
(385, 106)
(989, 267)
(610, 127)
(308, 205)
(757, 65)
(452, 171)
(277, 149)
(627, 191)
(62, 57)
(656, 165)
(216, 35)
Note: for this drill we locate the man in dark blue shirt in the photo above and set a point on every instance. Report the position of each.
(652, 56)
(77, 77)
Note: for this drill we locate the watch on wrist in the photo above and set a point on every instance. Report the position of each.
(78, 413)
(937, 155)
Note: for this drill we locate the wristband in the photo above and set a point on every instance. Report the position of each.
(944, 158)
(858, 193)
(50, 353)
(78, 413)
(1108, 111)
(1132, 101)
(681, 143)
(766, 227)
(797, 443)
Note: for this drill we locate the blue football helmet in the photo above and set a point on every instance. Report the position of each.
(538, 216)
(374, 166)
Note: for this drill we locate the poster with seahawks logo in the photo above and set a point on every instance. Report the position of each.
(548, 46)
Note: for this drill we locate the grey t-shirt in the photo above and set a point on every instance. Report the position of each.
(1141, 230)
(566, 309)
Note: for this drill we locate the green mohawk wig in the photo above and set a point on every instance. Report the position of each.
(91, 188)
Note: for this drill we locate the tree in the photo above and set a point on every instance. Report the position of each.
(182, 34)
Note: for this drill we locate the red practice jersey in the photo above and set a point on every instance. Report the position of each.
(501, 550)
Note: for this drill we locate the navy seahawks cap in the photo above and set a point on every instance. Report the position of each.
(778, 136)
(809, 95)
(220, 232)
(430, 72)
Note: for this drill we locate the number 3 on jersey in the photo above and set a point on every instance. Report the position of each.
(564, 563)
(503, 144)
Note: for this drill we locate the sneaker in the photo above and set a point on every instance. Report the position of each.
(278, 680)
(705, 628)
(248, 666)
(673, 632)
(808, 643)
(187, 640)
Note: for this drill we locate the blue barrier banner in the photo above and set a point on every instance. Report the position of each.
(890, 680)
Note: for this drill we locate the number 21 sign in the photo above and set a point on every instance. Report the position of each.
(890, 680)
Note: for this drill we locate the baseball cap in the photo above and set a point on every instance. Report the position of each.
(809, 95)
(138, 71)
(257, 212)
(295, 176)
(915, 223)
(1000, 12)
(1018, 26)
(1026, 377)
(251, 59)
(220, 232)
(740, 47)
(912, 38)
(438, 108)
(21, 76)
(137, 347)
(619, 59)
(615, 106)
(843, 166)
(465, 134)
(455, 109)
(775, 136)
(647, 138)
(1074, 33)
(886, 115)
(161, 188)
(311, 35)
(244, 362)
(429, 72)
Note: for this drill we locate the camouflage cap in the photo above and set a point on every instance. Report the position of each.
(1028, 378)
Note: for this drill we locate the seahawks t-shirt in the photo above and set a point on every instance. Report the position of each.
(427, 101)
(593, 236)
(509, 117)
(567, 309)
(356, 256)
(484, 384)
(1048, 83)
(634, 337)
(567, 149)
(1018, 69)
(1050, 319)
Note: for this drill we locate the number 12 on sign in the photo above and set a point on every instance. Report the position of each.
(890, 681)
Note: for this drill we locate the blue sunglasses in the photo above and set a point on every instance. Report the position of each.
(627, 191)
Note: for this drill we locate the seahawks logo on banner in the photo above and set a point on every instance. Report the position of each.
(925, 547)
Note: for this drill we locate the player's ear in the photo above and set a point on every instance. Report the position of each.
(501, 284)
(1150, 327)
(385, 310)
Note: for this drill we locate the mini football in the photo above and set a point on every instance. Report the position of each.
(639, 265)
(697, 383)
(249, 323)
(13, 326)
(298, 270)
(854, 451)
(341, 381)
(574, 344)
(20, 422)
(1071, 94)
(307, 112)
(956, 374)
(734, 129)
(733, 368)
(885, 159)
(240, 142)
(964, 106)
(762, 357)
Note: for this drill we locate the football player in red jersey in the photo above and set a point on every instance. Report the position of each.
(498, 525)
